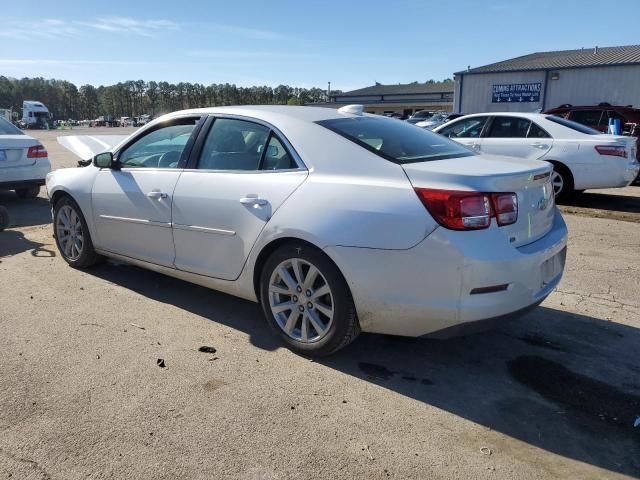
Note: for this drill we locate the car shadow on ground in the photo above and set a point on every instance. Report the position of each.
(605, 201)
(13, 242)
(566, 383)
(25, 212)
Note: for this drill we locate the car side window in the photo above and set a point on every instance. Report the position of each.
(509, 127)
(233, 144)
(160, 148)
(276, 156)
(465, 128)
(536, 131)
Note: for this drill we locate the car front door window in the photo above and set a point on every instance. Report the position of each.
(466, 128)
(161, 148)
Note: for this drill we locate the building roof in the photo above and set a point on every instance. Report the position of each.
(584, 57)
(400, 89)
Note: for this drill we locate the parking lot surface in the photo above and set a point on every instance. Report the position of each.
(554, 394)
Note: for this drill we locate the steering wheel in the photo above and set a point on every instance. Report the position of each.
(169, 159)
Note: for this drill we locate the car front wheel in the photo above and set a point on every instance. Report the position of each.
(72, 234)
(307, 301)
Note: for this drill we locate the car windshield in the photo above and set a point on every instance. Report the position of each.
(399, 142)
(422, 114)
(7, 128)
(578, 127)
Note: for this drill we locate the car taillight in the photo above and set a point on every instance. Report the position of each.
(612, 150)
(505, 206)
(459, 210)
(37, 151)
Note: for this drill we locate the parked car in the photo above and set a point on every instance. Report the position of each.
(420, 116)
(334, 220)
(582, 158)
(24, 162)
(597, 116)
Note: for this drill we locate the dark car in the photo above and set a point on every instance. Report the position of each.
(420, 116)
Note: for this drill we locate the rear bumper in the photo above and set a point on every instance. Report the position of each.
(22, 177)
(427, 288)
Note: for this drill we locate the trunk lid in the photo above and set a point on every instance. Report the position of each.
(13, 151)
(528, 179)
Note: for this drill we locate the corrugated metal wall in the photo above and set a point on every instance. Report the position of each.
(590, 86)
(477, 89)
(581, 86)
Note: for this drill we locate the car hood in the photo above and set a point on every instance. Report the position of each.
(86, 146)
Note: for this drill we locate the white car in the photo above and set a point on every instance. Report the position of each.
(24, 162)
(334, 220)
(583, 158)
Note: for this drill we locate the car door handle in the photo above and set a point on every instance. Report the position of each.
(475, 146)
(157, 194)
(541, 146)
(253, 200)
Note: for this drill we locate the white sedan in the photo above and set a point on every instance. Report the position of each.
(24, 162)
(335, 221)
(583, 158)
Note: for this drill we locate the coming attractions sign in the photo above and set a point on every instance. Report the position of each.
(516, 92)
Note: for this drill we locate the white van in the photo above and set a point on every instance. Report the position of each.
(35, 114)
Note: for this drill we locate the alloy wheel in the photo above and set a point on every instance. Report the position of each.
(301, 300)
(558, 183)
(69, 232)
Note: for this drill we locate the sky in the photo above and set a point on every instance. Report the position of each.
(351, 43)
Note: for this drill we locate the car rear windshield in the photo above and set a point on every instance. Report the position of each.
(578, 127)
(7, 128)
(394, 140)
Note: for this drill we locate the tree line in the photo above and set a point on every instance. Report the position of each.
(136, 97)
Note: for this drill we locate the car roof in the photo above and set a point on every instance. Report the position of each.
(530, 116)
(269, 113)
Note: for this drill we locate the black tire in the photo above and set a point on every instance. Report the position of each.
(4, 218)
(28, 192)
(567, 180)
(88, 255)
(344, 327)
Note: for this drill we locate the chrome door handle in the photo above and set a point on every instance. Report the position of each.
(540, 145)
(157, 194)
(253, 199)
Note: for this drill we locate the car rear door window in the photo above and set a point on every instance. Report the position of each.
(233, 144)
(509, 127)
(465, 128)
(535, 131)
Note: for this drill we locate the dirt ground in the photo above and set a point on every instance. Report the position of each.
(554, 394)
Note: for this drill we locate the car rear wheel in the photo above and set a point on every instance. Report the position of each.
(562, 182)
(29, 192)
(307, 301)
(72, 235)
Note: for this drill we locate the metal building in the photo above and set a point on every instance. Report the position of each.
(544, 80)
(404, 99)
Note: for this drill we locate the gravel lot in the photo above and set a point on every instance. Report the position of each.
(552, 395)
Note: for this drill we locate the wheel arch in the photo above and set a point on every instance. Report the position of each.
(271, 247)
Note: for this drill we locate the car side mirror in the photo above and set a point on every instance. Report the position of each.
(104, 160)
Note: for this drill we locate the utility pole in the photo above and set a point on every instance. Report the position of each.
(329, 92)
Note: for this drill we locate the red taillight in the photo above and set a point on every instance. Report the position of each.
(37, 151)
(505, 206)
(612, 150)
(458, 210)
